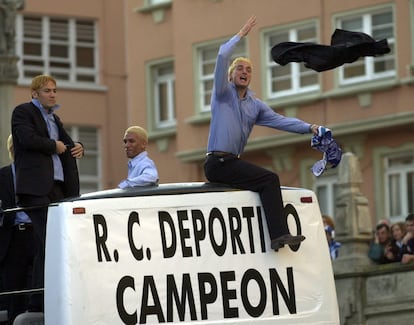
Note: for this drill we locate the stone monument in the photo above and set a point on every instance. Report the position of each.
(8, 69)
(353, 223)
(353, 229)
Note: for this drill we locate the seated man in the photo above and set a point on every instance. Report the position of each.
(141, 169)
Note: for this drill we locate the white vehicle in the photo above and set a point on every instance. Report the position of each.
(185, 253)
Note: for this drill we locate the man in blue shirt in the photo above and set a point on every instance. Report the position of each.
(141, 169)
(234, 112)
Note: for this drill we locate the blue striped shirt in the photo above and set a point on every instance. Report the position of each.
(53, 134)
(141, 172)
(233, 118)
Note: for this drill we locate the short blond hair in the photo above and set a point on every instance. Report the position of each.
(10, 147)
(41, 80)
(141, 132)
(236, 61)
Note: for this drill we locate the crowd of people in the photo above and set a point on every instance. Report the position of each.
(393, 242)
(43, 170)
(44, 167)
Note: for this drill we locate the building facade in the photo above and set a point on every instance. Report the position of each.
(151, 63)
(81, 44)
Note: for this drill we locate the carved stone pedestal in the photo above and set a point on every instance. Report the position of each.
(8, 79)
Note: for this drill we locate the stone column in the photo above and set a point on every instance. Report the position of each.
(8, 70)
(8, 78)
(353, 226)
(353, 229)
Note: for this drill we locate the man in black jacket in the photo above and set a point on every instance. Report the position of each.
(46, 169)
(16, 242)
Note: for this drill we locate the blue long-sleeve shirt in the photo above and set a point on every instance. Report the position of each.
(141, 172)
(233, 118)
(53, 134)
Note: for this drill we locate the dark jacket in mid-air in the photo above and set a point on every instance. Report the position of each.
(346, 47)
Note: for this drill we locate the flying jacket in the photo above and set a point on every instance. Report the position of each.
(346, 47)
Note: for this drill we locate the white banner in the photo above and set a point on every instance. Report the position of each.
(199, 258)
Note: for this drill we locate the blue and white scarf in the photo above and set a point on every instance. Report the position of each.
(332, 153)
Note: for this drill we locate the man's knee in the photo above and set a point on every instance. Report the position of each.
(273, 179)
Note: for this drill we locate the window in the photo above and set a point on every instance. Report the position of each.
(325, 189)
(163, 94)
(63, 48)
(292, 78)
(157, 2)
(399, 185)
(89, 167)
(379, 25)
(207, 60)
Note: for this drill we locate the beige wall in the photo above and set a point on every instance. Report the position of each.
(362, 119)
(191, 22)
(104, 108)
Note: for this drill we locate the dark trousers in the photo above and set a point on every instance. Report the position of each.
(39, 221)
(244, 175)
(17, 269)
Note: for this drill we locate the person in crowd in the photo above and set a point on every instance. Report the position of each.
(408, 240)
(386, 221)
(393, 251)
(329, 221)
(234, 112)
(141, 169)
(45, 163)
(382, 239)
(329, 225)
(16, 242)
(332, 243)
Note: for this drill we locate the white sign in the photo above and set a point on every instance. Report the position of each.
(201, 258)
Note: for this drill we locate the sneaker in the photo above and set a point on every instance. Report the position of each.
(286, 240)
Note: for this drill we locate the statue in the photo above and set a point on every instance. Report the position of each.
(8, 68)
(8, 9)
